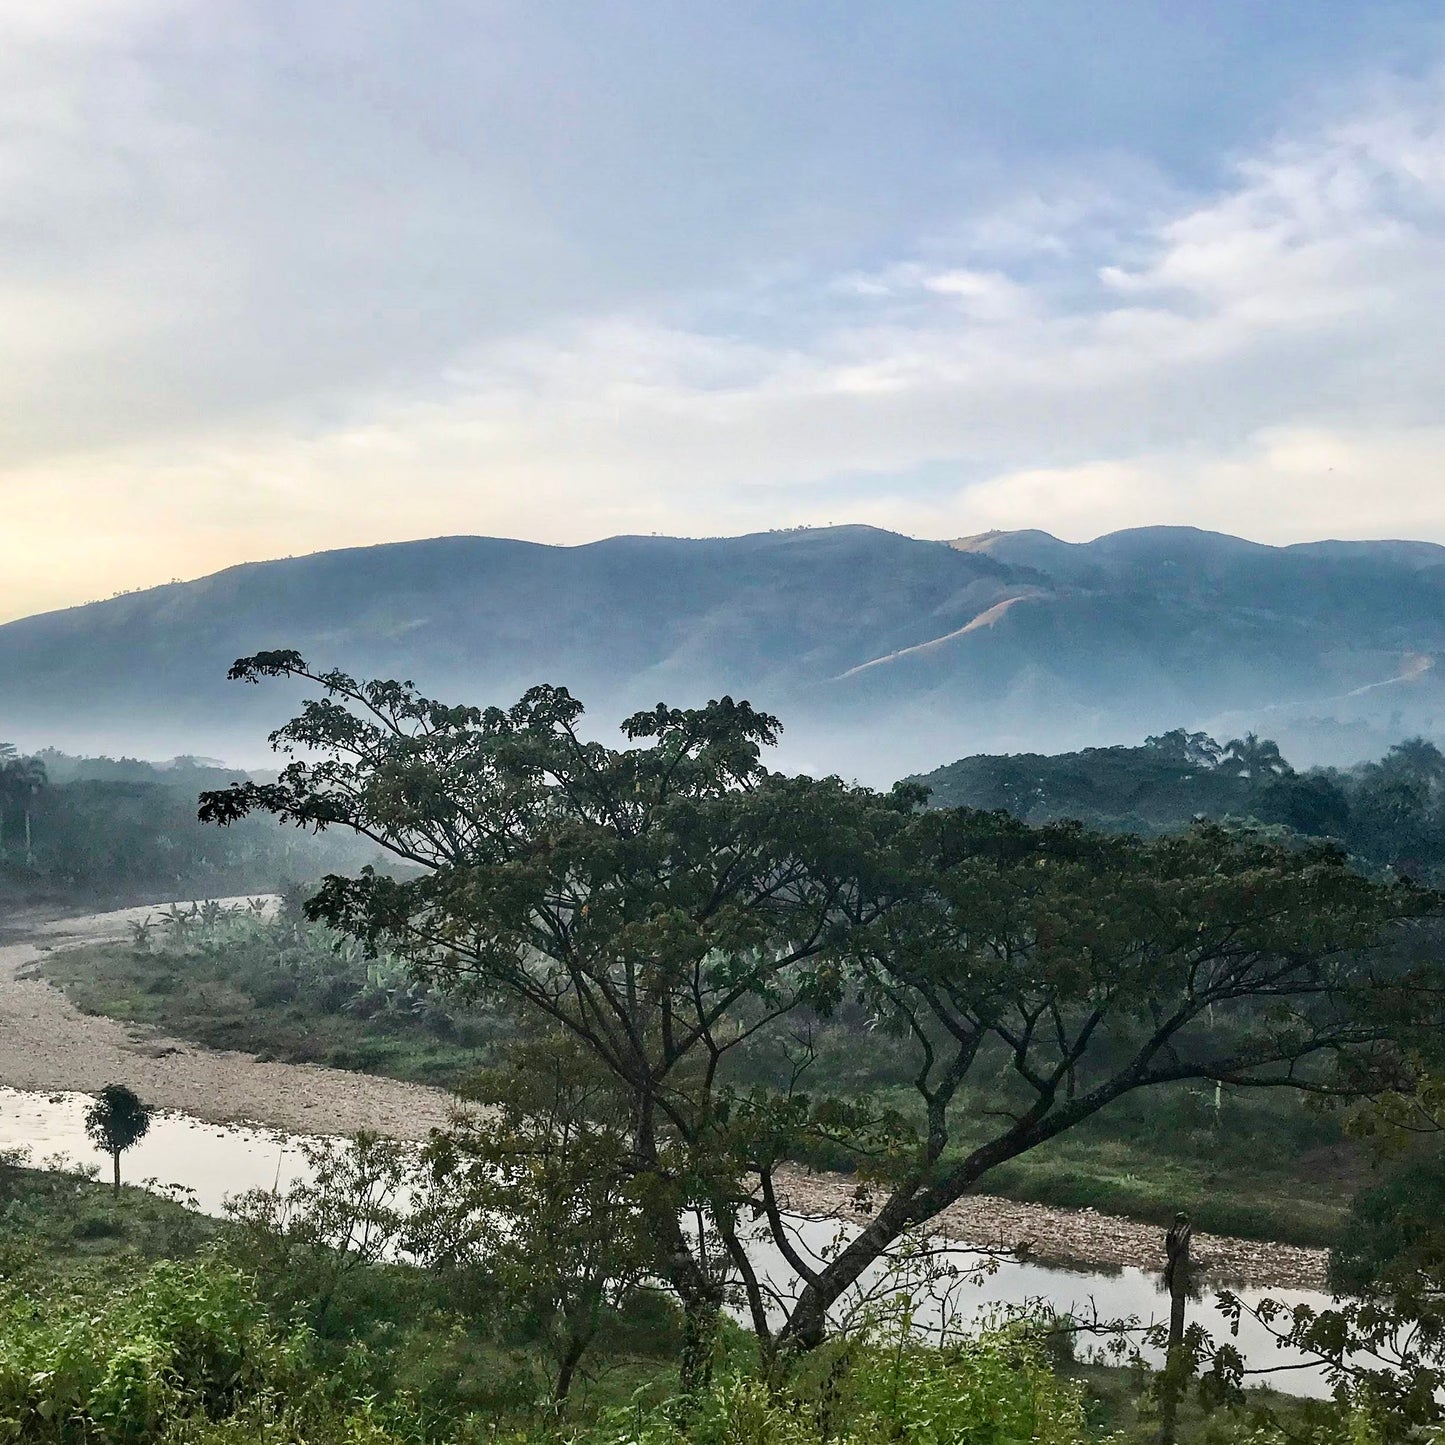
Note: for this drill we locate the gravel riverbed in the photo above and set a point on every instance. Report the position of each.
(47, 1044)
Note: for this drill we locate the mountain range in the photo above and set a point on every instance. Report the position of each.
(883, 654)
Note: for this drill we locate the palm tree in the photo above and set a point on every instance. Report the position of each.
(116, 1121)
(1254, 758)
(8, 755)
(21, 781)
(1197, 750)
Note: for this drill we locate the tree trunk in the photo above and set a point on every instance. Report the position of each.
(567, 1367)
(700, 1296)
(115, 1159)
(701, 1318)
(807, 1326)
(1176, 1364)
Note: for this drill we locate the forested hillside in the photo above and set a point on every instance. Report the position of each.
(1389, 814)
(883, 652)
(108, 829)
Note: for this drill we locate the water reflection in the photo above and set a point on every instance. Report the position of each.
(212, 1161)
(982, 1286)
(208, 1160)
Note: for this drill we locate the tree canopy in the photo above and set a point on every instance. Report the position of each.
(674, 906)
(117, 1120)
(1388, 814)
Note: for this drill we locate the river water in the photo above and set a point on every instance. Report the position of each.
(208, 1162)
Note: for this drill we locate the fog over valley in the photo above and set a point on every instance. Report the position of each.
(722, 723)
(882, 654)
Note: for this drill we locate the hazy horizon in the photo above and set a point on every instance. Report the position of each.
(1082, 538)
(883, 655)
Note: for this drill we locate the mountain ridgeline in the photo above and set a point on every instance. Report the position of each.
(881, 653)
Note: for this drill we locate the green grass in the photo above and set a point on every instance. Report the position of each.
(58, 1222)
(203, 1000)
(394, 1331)
(1115, 1179)
(1271, 1166)
(1268, 1166)
(407, 1360)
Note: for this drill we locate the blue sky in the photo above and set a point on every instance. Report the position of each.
(282, 277)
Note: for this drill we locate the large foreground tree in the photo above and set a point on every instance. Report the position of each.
(673, 905)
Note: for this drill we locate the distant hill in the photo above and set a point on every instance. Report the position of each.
(1388, 814)
(882, 653)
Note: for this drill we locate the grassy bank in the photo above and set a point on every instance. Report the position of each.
(132, 1319)
(301, 1002)
(415, 1344)
(68, 1225)
(1261, 1165)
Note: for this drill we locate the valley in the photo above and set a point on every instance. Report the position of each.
(882, 654)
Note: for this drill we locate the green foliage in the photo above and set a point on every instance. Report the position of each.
(186, 1339)
(345, 1212)
(117, 1120)
(107, 829)
(673, 904)
(993, 1390)
(22, 784)
(1389, 814)
(1393, 1244)
(53, 1221)
(281, 986)
(117, 1350)
(537, 1197)
(399, 1350)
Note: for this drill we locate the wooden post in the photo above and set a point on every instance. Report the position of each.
(1176, 1281)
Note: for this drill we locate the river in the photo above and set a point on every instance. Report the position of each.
(204, 1142)
(206, 1162)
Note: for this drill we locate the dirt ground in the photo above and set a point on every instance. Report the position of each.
(47, 1044)
(1076, 1236)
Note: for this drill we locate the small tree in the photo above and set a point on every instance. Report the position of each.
(349, 1212)
(539, 1196)
(117, 1121)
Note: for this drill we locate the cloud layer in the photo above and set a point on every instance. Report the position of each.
(265, 294)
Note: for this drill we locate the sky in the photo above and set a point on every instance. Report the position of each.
(276, 278)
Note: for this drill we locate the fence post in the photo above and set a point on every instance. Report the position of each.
(1176, 1366)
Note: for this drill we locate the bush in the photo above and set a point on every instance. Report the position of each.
(993, 1390)
(185, 1340)
(95, 1225)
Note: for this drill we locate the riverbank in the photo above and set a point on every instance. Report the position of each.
(49, 1045)
(1073, 1237)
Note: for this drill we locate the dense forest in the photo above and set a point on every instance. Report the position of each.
(119, 830)
(1389, 815)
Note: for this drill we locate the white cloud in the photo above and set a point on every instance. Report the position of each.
(1263, 360)
(1284, 485)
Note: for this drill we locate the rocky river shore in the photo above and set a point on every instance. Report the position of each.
(47, 1044)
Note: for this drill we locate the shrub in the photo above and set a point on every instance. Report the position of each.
(184, 1340)
(992, 1390)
